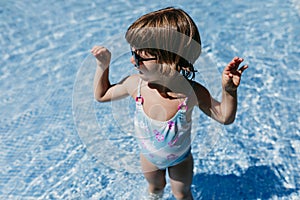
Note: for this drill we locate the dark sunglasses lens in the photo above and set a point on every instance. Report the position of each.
(136, 58)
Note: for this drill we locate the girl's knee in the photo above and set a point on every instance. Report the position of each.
(183, 197)
(158, 187)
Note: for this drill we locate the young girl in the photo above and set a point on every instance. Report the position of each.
(164, 46)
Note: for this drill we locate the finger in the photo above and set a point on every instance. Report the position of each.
(231, 67)
(94, 48)
(234, 63)
(97, 49)
(243, 68)
(238, 60)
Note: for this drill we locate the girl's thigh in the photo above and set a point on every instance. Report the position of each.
(154, 176)
(181, 176)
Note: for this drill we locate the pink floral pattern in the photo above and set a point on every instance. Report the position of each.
(159, 137)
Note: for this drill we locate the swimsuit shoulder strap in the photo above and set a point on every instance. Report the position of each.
(184, 103)
(139, 99)
(139, 88)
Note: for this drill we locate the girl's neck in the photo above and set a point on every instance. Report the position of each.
(161, 89)
(165, 91)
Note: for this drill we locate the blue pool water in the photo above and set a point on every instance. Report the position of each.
(52, 147)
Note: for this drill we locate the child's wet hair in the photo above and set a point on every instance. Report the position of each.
(169, 34)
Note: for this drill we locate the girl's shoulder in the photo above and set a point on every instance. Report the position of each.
(201, 94)
(131, 79)
(197, 87)
(131, 82)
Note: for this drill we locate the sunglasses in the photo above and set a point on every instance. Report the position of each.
(138, 59)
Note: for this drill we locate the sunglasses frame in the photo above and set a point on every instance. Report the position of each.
(138, 59)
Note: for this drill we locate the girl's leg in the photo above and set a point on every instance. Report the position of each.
(156, 178)
(181, 177)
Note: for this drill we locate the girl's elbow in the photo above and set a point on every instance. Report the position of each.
(225, 120)
(99, 99)
(229, 121)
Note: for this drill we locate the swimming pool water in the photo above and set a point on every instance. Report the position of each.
(45, 47)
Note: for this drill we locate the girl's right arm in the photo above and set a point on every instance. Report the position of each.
(103, 90)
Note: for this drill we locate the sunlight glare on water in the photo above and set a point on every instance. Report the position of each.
(44, 49)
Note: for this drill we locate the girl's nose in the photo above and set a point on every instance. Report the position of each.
(132, 60)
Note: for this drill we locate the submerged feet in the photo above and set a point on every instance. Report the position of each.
(155, 196)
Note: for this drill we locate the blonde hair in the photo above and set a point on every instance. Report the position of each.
(171, 35)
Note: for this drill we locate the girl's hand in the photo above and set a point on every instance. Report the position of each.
(102, 55)
(231, 75)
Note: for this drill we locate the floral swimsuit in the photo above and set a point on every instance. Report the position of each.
(163, 143)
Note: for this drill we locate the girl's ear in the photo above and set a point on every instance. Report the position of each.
(168, 69)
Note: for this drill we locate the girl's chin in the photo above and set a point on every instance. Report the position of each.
(144, 78)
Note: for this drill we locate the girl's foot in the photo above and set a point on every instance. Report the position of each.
(155, 196)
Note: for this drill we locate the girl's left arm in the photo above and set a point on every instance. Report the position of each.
(224, 111)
